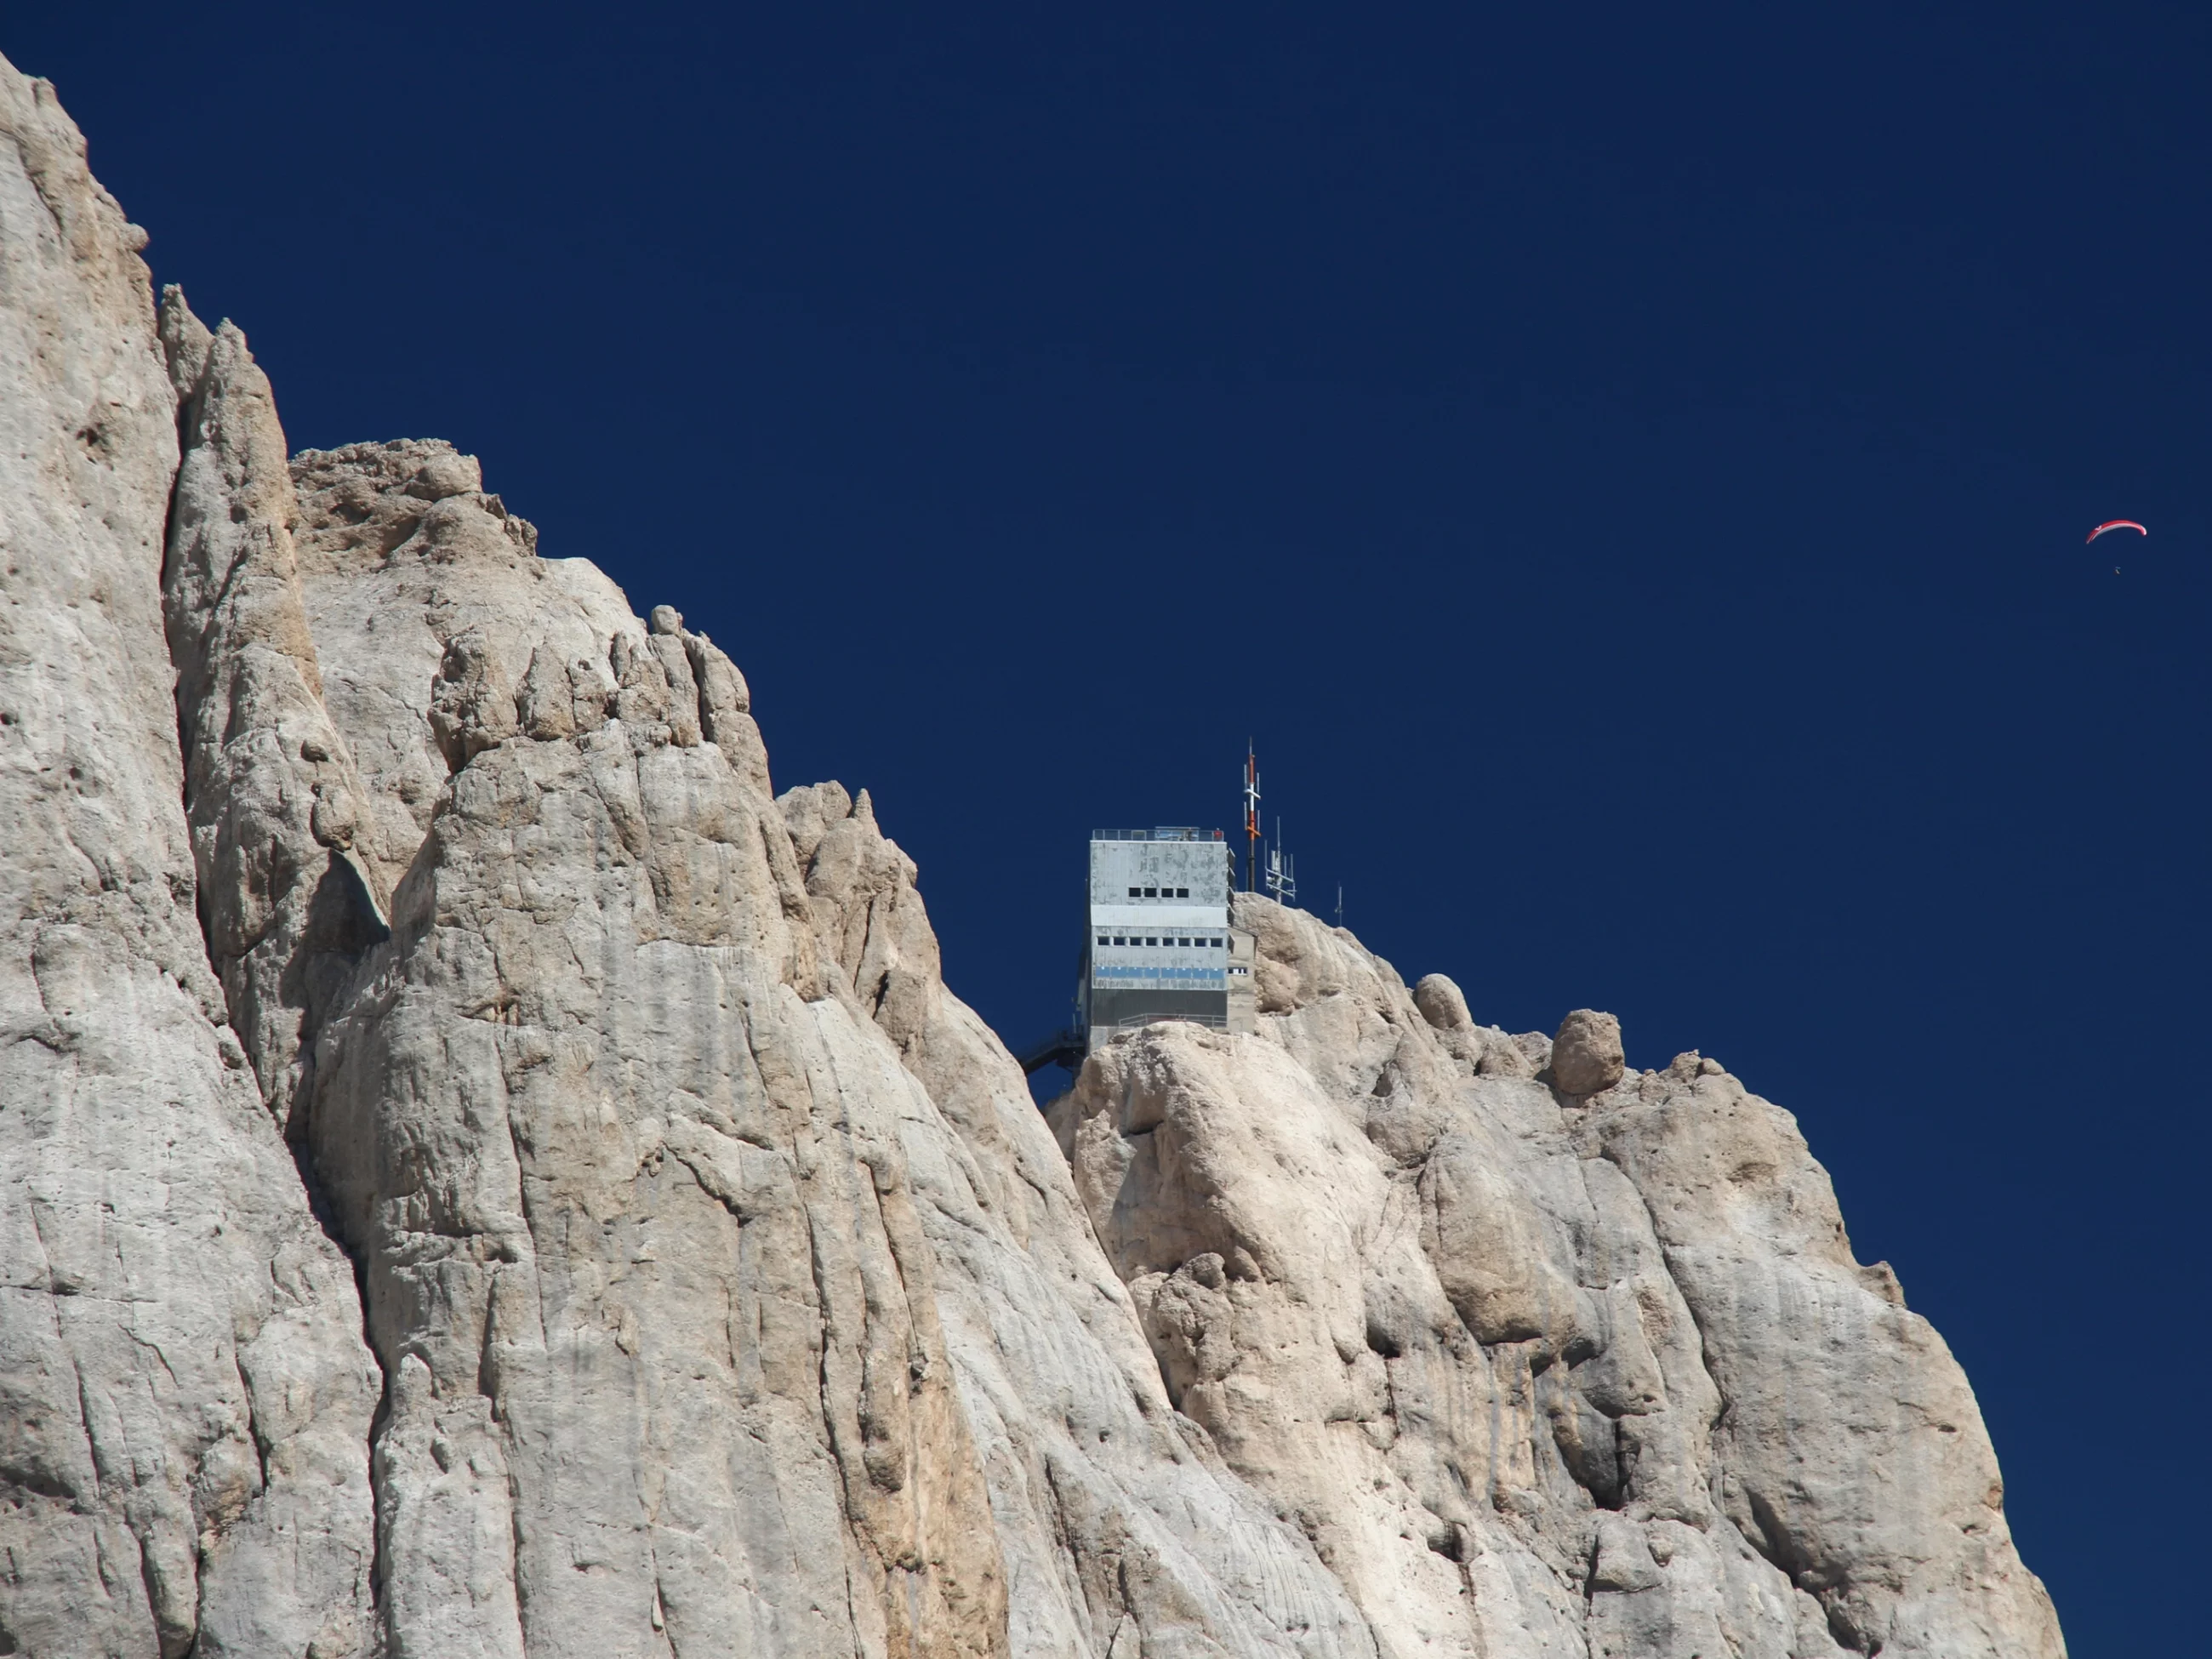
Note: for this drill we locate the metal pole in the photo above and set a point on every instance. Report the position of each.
(1251, 818)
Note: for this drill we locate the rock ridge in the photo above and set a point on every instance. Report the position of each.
(1547, 1354)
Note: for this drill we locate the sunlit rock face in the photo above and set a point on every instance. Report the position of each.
(735, 1295)
(486, 1175)
(1545, 1354)
(185, 1397)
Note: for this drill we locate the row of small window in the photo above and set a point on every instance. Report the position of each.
(1199, 943)
(1159, 892)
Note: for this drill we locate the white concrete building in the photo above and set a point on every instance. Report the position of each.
(1158, 945)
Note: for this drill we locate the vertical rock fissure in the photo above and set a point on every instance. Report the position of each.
(380, 1591)
(278, 941)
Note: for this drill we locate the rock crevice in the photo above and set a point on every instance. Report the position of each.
(185, 1400)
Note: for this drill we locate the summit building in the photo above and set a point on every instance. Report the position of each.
(1159, 945)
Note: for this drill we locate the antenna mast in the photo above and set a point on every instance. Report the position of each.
(1251, 818)
(1282, 880)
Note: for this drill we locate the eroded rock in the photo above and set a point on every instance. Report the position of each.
(1477, 1334)
(185, 1397)
(1586, 1054)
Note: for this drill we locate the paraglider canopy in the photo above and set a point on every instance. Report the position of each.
(2118, 524)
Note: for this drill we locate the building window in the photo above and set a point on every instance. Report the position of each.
(1184, 943)
(1136, 892)
(1151, 892)
(1152, 941)
(1121, 941)
(1183, 892)
(1102, 938)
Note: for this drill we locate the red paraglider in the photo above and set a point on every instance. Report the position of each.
(2118, 524)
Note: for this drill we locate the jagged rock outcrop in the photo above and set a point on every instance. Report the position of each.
(1541, 1368)
(641, 1261)
(269, 789)
(735, 1297)
(184, 1398)
(724, 1291)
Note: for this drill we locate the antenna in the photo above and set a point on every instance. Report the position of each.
(1251, 818)
(1339, 904)
(1282, 880)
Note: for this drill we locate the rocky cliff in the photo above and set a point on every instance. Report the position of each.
(485, 1175)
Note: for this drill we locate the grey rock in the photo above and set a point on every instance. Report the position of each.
(184, 1398)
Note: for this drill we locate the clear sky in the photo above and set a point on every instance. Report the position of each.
(1628, 473)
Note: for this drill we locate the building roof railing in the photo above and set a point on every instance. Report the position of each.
(1163, 832)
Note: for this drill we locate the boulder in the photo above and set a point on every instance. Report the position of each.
(1442, 1005)
(1586, 1054)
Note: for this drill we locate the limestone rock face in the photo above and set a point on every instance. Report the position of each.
(1584, 1368)
(270, 788)
(643, 1258)
(184, 1398)
(380, 888)
(734, 1294)
(1120, 1528)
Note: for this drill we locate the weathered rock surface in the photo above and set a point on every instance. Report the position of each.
(1586, 1053)
(726, 1293)
(641, 1257)
(269, 789)
(184, 1398)
(1541, 1369)
(735, 1295)
(1121, 1531)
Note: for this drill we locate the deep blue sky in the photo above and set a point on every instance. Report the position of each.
(1629, 474)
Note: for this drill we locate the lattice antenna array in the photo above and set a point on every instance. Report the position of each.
(1282, 875)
